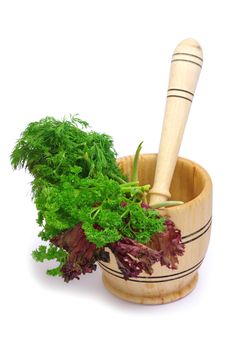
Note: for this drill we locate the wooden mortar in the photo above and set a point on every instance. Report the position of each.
(192, 185)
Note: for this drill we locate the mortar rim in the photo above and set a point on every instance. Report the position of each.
(207, 190)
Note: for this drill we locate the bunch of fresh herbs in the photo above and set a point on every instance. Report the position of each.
(85, 204)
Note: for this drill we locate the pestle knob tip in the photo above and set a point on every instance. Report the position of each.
(189, 46)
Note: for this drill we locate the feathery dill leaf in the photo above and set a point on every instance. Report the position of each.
(50, 148)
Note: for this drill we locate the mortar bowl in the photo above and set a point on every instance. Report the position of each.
(191, 184)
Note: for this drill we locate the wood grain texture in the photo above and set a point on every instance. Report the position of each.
(191, 184)
(185, 69)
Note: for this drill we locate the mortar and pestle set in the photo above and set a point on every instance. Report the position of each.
(176, 178)
(89, 212)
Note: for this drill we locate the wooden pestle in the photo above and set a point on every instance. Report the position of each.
(185, 69)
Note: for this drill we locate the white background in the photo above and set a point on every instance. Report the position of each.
(109, 62)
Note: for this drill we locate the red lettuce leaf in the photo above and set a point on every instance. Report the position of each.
(133, 257)
(169, 243)
(82, 254)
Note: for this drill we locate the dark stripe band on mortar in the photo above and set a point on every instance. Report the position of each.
(187, 92)
(193, 239)
(185, 98)
(108, 269)
(183, 60)
(147, 281)
(186, 272)
(200, 229)
(188, 54)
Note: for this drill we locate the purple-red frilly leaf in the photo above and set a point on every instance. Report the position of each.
(169, 243)
(82, 254)
(133, 257)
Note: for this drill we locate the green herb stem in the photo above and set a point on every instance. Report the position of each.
(129, 184)
(135, 163)
(166, 204)
(118, 179)
(135, 189)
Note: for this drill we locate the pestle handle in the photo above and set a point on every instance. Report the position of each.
(185, 69)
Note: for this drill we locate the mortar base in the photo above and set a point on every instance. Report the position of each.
(167, 298)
